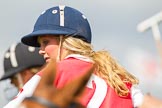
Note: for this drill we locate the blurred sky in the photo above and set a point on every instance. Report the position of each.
(114, 28)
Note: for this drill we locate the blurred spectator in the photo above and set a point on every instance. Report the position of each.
(20, 63)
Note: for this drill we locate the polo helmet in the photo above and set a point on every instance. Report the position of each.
(59, 20)
(19, 57)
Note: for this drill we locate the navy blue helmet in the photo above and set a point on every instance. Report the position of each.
(60, 20)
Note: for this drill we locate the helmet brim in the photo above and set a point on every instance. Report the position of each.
(32, 39)
(11, 73)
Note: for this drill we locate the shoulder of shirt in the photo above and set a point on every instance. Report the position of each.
(79, 57)
(137, 95)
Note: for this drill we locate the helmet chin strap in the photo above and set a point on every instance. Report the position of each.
(61, 7)
(59, 49)
(20, 80)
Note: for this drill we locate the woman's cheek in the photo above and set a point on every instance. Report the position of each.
(52, 52)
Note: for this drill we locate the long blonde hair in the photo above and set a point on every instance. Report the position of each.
(105, 66)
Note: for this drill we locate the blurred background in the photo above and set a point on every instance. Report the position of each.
(114, 28)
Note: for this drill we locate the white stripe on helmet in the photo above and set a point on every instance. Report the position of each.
(61, 15)
(13, 55)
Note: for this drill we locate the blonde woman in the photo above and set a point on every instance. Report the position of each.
(64, 33)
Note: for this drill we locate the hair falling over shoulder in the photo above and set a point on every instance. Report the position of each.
(106, 66)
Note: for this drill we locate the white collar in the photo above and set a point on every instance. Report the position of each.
(80, 57)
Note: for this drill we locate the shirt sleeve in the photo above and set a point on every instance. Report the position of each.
(137, 96)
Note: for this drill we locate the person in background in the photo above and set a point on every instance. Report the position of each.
(20, 63)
